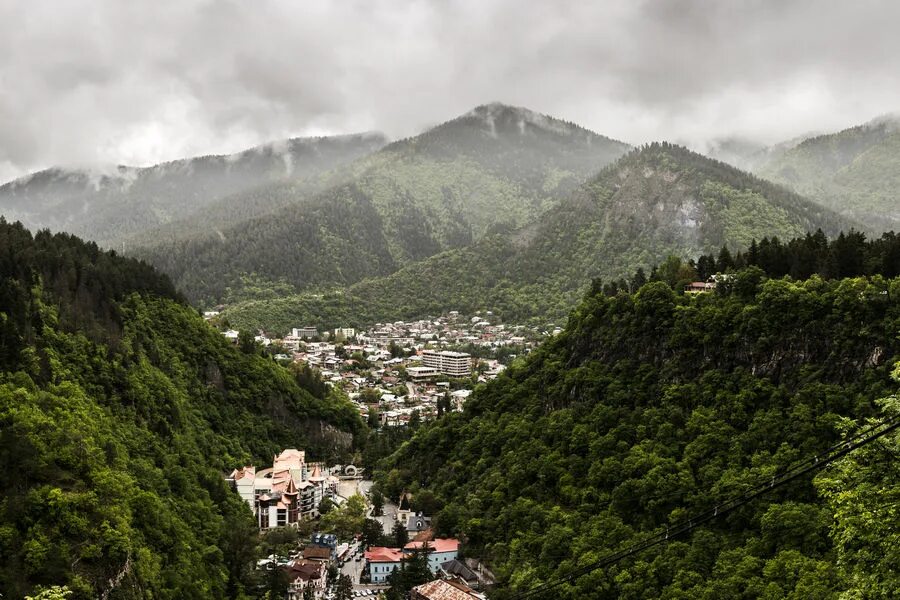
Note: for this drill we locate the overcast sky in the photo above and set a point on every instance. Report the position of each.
(131, 82)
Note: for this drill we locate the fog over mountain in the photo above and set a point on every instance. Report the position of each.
(142, 83)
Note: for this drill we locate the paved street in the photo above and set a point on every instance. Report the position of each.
(389, 517)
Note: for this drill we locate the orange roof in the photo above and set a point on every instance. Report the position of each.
(243, 472)
(290, 458)
(438, 545)
(382, 554)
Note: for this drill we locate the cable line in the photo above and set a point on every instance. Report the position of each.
(795, 471)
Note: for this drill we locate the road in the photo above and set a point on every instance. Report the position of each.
(388, 518)
(353, 568)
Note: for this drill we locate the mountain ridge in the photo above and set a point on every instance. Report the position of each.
(444, 188)
(107, 204)
(656, 201)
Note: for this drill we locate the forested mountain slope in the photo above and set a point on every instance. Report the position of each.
(855, 172)
(657, 201)
(497, 166)
(108, 207)
(120, 410)
(654, 406)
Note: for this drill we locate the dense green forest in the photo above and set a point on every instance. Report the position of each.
(120, 412)
(855, 171)
(655, 405)
(656, 201)
(494, 167)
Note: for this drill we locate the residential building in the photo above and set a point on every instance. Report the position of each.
(422, 373)
(454, 364)
(345, 332)
(404, 509)
(381, 562)
(305, 332)
(697, 287)
(439, 551)
(306, 573)
(459, 570)
(417, 523)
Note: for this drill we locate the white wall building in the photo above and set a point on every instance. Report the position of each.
(454, 364)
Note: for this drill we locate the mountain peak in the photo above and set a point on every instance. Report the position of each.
(497, 118)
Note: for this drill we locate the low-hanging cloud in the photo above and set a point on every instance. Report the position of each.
(136, 83)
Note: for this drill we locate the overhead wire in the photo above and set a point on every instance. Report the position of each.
(781, 478)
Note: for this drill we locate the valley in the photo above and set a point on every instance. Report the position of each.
(539, 346)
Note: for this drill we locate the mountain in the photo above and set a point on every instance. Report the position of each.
(654, 407)
(110, 205)
(495, 167)
(120, 411)
(746, 154)
(657, 201)
(855, 172)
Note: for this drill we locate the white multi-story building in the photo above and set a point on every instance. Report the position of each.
(345, 332)
(304, 332)
(285, 493)
(454, 364)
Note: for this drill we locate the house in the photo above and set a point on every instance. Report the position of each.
(417, 523)
(460, 571)
(381, 562)
(439, 551)
(444, 589)
(697, 287)
(329, 541)
(320, 553)
(302, 574)
(403, 508)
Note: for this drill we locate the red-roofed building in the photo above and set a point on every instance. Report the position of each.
(439, 551)
(381, 562)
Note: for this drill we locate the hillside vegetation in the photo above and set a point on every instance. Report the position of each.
(855, 172)
(110, 206)
(495, 167)
(120, 411)
(654, 406)
(657, 201)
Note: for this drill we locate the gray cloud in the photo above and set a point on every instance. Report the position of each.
(139, 82)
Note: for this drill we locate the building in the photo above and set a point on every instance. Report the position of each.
(287, 492)
(439, 551)
(454, 364)
(404, 508)
(460, 571)
(416, 524)
(345, 332)
(381, 562)
(422, 373)
(697, 287)
(305, 573)
(305, 332)
(444, 589)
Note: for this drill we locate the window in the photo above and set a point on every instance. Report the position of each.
(281, 517)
